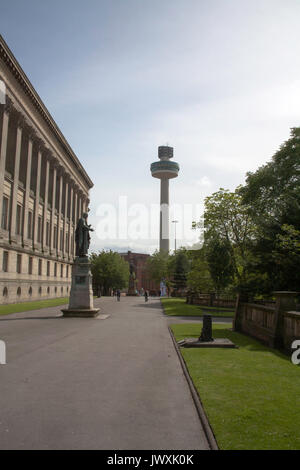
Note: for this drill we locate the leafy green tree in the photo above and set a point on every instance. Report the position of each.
(229, 228)
(219, 259)
(109, 270)
(178, 267)
(157, 266)
(199, 278)
(273, 195)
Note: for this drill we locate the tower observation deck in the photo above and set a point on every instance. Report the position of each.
(164, 170)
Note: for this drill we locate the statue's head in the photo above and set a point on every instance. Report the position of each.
(85, 215)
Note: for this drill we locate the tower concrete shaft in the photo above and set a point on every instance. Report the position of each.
(164, 215)
(164, 170)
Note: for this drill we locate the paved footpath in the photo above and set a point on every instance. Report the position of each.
(95, 384)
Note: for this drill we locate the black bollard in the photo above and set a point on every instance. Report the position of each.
(206, 334)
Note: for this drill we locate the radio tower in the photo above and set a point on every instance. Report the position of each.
(164, 170)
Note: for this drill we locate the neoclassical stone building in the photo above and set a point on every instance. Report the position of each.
(43, 191)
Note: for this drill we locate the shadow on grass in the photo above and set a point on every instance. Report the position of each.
(242, 340)
(148, 304)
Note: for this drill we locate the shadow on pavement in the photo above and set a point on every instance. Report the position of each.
(32, 318)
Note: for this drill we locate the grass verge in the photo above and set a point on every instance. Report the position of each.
(179, 307)
(25, 306)
(250, 394)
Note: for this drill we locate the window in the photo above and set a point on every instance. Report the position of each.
(48, 268)
(30, 265)
(29, 226)
(47, 234)
(67, 273)
(39, 234)
(61, 240)
(5, 262)
(67, 242)
(40, 267)
(55, 237)
(61, 270)
(19, 264)
(55, 269)
(4, 222)
(19, 220)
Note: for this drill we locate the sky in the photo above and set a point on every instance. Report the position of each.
(218, 80)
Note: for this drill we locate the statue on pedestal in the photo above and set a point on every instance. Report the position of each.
(81, 302)
(82, 236)
(132, 281)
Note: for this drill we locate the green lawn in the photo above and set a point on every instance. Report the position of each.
(179, 307)
(250, 394)
(25, 306)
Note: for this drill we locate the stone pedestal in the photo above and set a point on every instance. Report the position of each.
(206, 340)
(206, 335)
(132, 286)
(81, 303)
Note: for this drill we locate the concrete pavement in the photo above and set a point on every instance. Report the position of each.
(95, 384)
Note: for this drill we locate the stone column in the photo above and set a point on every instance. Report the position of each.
(6, 111)
(52, 244)
(285, 301)
(27, 242)
(237, 320)
(70, 249)
(14, 196)
(45, 247)
(65, 215)
(79, 205)
(60, 189)
(75, 220)
(35, 243)
(87, 202)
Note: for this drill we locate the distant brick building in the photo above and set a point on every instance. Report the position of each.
(138, 261)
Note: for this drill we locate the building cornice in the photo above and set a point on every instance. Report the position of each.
(13, 65)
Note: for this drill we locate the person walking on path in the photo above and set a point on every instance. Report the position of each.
(146, 296)
(118, 295)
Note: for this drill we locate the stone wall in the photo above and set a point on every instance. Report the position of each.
(210, 300)
(291, 328)
(24, 291)
(275, 326)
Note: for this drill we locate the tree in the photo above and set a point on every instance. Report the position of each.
(272, 192)
(157, 266)
(178, 267)
(229, 229)
(219, 260)
(109, 270)
(199, 278)
(273, 195)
